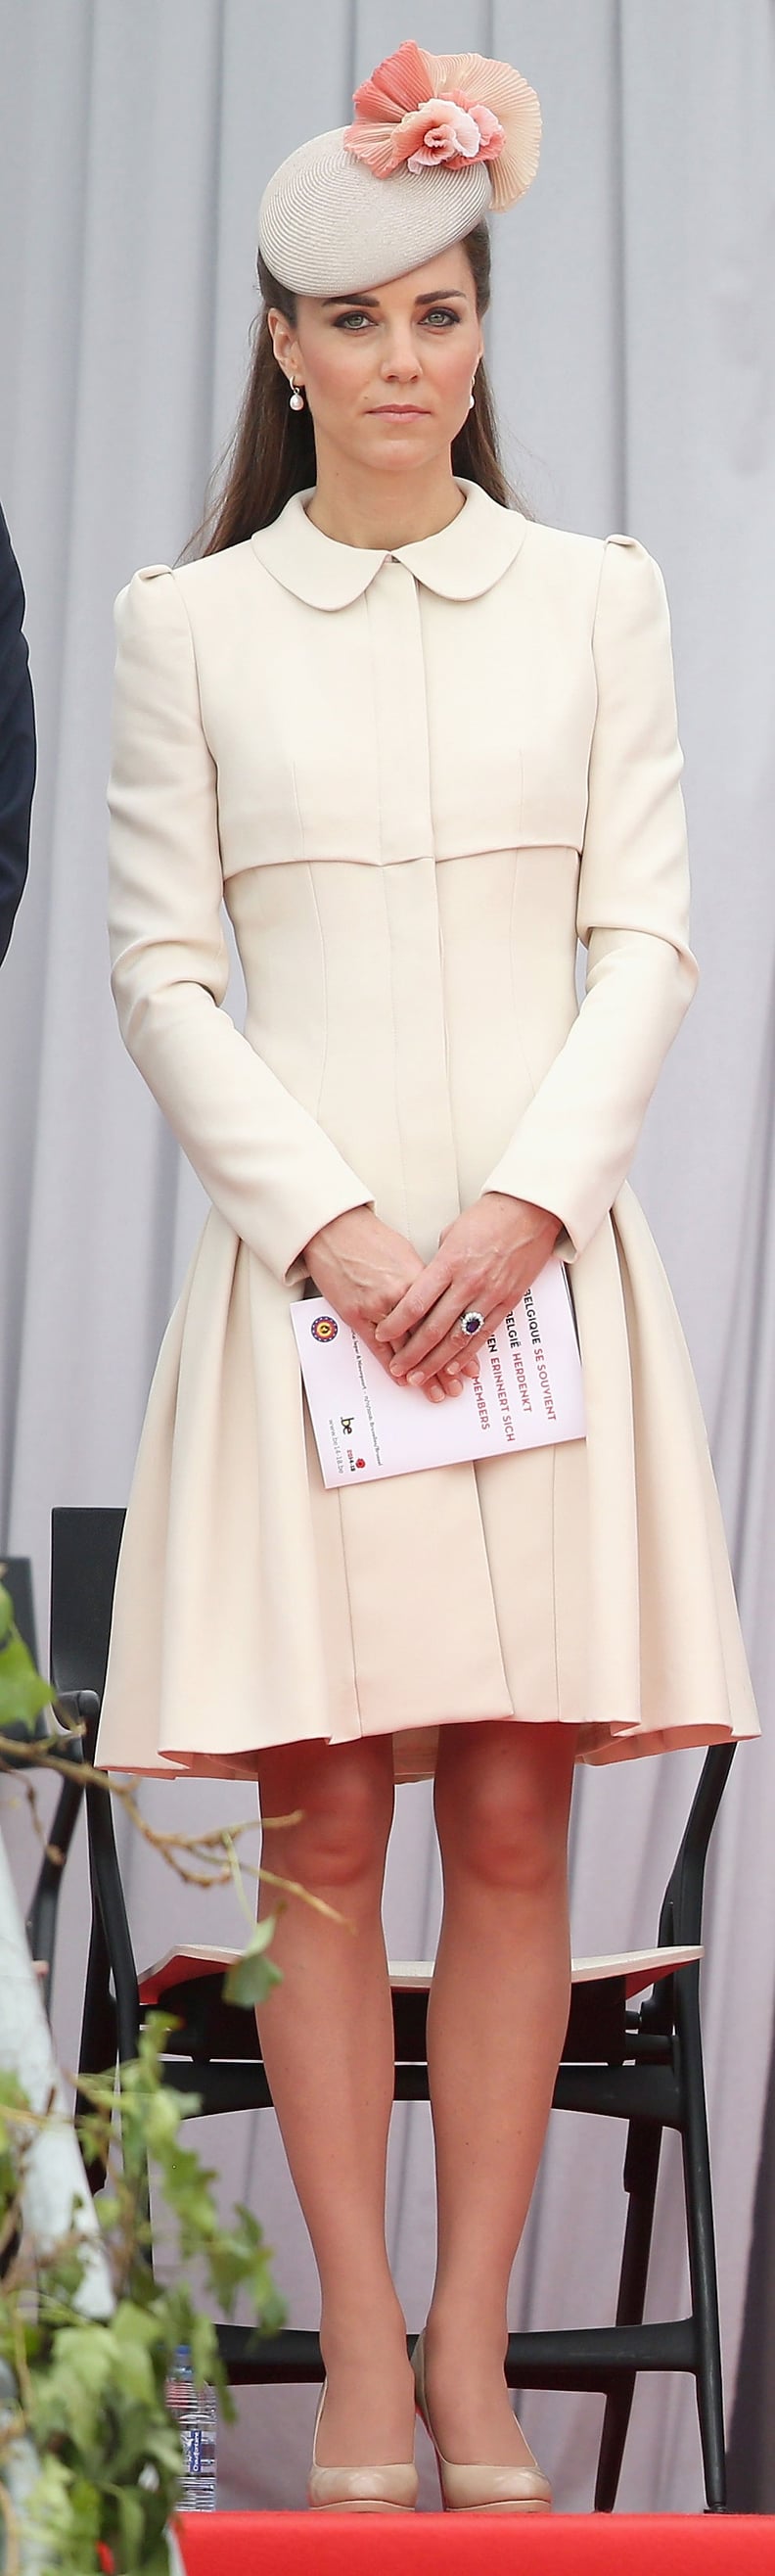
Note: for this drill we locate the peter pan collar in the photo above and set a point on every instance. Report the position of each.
(460, 561)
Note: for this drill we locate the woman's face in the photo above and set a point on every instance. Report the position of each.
(387, 374)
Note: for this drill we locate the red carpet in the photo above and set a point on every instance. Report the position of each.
(277, 2544)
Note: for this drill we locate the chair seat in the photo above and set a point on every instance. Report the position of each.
(188, 1983)
(638, 1969)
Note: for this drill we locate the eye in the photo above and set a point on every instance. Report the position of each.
(435, 311)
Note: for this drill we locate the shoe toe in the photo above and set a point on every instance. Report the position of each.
(391, 2488)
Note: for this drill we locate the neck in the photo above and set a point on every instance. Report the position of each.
(361, 508)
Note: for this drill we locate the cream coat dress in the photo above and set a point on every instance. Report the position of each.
(416, 778)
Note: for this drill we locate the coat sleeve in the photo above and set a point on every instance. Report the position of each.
(262, 1157)
(574, 1144)
(18, 748)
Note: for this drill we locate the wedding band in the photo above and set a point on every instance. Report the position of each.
(471, 1321)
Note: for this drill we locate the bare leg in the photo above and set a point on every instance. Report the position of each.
(327, 2039)
(497, 2020)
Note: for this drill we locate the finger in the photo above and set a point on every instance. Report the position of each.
(435, 1387)
(424, 1293)
(444, 1354)
(442, 1382)
(450, 1380)
(441, 1324)
(449, 1356)
(366, 1334)
(454, 1374)
(454, 1379)
(436, 1384)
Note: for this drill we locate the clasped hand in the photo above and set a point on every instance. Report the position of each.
(408, 1311)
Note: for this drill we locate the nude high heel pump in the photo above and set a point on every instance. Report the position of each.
(475, 2487)
(388, 2489)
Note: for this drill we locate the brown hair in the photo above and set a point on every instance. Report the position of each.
(272, 453)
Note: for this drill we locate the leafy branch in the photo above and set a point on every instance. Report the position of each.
(91, 2392)
(88, 2393)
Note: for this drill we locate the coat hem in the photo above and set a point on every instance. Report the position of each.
(596, 1744)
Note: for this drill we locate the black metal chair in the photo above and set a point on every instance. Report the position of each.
(642, 2065)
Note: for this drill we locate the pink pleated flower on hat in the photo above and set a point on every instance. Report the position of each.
(420, 110)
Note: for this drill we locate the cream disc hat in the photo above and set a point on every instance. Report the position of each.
(438, 141)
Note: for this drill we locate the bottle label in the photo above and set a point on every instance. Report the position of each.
(192, 2443)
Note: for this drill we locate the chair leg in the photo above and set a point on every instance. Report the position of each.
(99, 2041)
(641, 2167)
(98, 2027)
(113, 1913)
(701, 2237)
(43, 1913)
(112, 1953)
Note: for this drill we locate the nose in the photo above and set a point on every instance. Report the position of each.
(400, 360)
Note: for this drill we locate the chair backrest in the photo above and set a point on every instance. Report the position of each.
(681, 1916)
(85, 1544)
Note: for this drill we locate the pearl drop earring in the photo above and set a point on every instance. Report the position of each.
(296, 402)
(471, 399)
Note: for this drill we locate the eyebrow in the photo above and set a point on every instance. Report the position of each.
(440, 294)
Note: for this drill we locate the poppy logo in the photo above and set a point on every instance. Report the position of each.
(325, 1328)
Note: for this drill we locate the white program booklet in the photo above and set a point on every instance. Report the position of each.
(366, 1424)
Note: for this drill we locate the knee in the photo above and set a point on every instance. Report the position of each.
(503, 1824)
(344, 1815)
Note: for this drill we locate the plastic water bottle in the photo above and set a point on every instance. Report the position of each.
(194, 2410)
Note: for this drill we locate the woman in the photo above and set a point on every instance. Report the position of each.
(423, 744)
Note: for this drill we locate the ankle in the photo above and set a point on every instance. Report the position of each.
(369, 2332)
(463, 2332)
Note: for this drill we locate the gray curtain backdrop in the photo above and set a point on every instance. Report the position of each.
(633, 363)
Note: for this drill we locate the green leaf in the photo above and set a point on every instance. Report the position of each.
(69, 2391)
(23, 1690)
(134, 2329)
(108, 2210)
(131, 2524)
(12, 2094)
(64, 2511)
(252, 1976)
(158, 2564)
(163, 2116)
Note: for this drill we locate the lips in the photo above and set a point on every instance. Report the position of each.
(399, 411)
